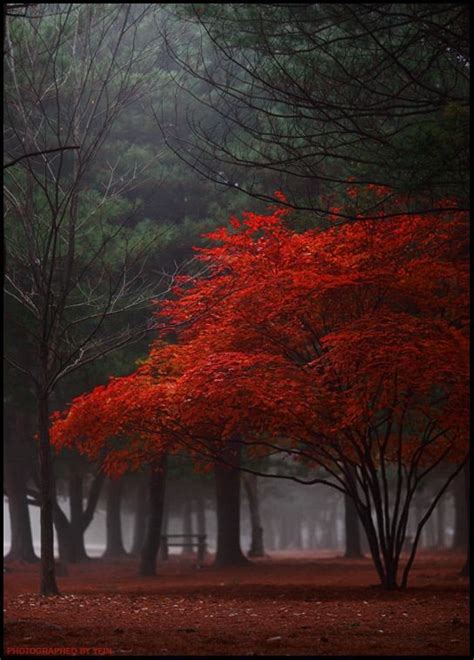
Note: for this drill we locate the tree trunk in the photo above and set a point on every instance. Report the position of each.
(77, 516)
(297, 532)
(329, 541)
(460, 520)
(63, 533)
(270, 541)
(21, 547)
(141, 505)
(114, 544)
(166, 516)
(364, 544)
(48, 586)
(70, 533)
(351, 519)
(332, 535)
(156, 498)
(418, 509)
(312, 533)
(284, 539)
(200, 512)
(431, 532)
(371, 536)
(187, 518)
(251, 488)
(228, 551)
(466, 569)
(440, 523)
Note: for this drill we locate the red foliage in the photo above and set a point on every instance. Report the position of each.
(121, 420)
(321, 337)
(310, 335)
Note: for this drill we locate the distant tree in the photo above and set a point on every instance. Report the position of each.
(18, 467)
(304, 96)
(251, 488)
(466, 569)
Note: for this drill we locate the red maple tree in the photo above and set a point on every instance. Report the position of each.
(344, 348)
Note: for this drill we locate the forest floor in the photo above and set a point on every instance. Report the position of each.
(282, 605)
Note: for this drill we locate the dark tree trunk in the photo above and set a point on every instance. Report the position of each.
(114, 544)
(77, 516)
(371, 535)
(466, 569)
(70, 533)
(156, 498)
(251, 488)
(141, 506)
(15, 475)
(364, 544)
(431, 532)
(351, 519)
(21, 547)
(48, 586)
(228, 551)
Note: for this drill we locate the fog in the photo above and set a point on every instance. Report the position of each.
(295, 518)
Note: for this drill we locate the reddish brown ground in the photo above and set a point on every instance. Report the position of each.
(278, 606)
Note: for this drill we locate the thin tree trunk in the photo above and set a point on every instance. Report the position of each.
(460, 519)
(313, 527)
(332, 529)
(200, 512)
(141, 506)
(371, 535)
(114, 544)
(187, 519)
(440, 523)
(166, 516)
(48, 586)
(466, 569)
(228, 551)
(297, 536)
(418, 516)
(63, 534)
(351, 519)
(251, 488)
(364, 545)
(431, 532)
(156, 498)
(270, 534)
(284, 540)
(77, 515)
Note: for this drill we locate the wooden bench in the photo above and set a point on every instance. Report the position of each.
(199, 543)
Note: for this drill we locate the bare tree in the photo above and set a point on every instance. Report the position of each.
(76, 271)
